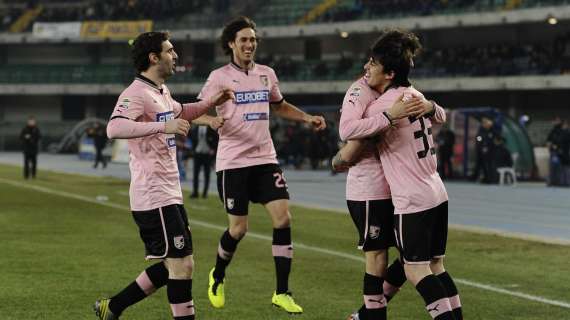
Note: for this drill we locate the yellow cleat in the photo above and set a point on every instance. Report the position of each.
(285, 301)
(216, 291)
(102, 311)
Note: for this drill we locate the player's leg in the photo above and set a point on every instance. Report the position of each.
(179, 262)
(152, 225)
(394, 279)
(151, 279)
(439, 244)
(373, 220)
(179, 287)
(270, 188)
(413, 232)
(234, 196)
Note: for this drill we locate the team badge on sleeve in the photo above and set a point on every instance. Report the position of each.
(355, 92)
(264, 80)
(124, 103)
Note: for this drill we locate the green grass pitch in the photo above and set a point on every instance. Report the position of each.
(61, 250)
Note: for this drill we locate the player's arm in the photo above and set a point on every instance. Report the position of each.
(191, 111)
(124, 125)
(348, 155)
(433, 111)
(357, 128)
(207, 120)
(288, 111)
(124, 128)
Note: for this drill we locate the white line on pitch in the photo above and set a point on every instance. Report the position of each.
(297, 245)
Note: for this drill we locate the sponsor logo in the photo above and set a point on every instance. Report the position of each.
(247, 97)
(434, 308)
(230, 203)
(164, 116)
(374, 232)
(255, 116)
(179, 242)
(171, 142)
(264, 80)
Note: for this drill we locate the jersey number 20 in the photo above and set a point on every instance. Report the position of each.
(423, 134)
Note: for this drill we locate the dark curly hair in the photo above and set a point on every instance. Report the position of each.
(395, 49)
(232, 28)
(144, 44)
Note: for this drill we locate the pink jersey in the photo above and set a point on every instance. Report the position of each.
(408, 156)
(140, 115)
(365, 180)
(245, 139)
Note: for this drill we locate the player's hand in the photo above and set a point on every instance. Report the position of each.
(222, 96)
(318, 122)
(402, 109)
(338, 164)
(429, 107)
(177, 126)
(216, 122)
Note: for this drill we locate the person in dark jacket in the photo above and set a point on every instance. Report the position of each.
(204, 145)
(502, 157)
(30, 137)
(99, 135)
(445, 142)
(555, 144)
(484, 151)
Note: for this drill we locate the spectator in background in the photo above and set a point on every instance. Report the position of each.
(445, 141)
(205, 143)
(484, 150)
(99, 135)
(565, 153)
(554, 142)
(182, 154)
(30, 137)
(502, 157)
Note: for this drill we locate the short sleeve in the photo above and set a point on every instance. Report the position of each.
(274, 92)
(210, 88)
(128, 106)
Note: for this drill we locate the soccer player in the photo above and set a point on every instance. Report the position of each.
(369, 201)
(148, 116)
(408, 158)
(246, 163)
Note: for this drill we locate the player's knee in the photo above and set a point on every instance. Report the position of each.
(238, 231)
(180, 268)
(282, 220)
(416, 272)
(436, 266)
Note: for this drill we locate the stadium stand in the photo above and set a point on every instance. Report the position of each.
(507, 57)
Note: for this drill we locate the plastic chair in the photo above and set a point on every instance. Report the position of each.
(504, 172)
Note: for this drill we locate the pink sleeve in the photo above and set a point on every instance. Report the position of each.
(209, 88)
(191, 111)
(439, 115)
(129, 105)
(352, 126)
(274, 93)
(123, 128)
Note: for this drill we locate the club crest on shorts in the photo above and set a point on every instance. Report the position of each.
(264, 80)
(230, 203)
(179, 242)
(374, 232)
